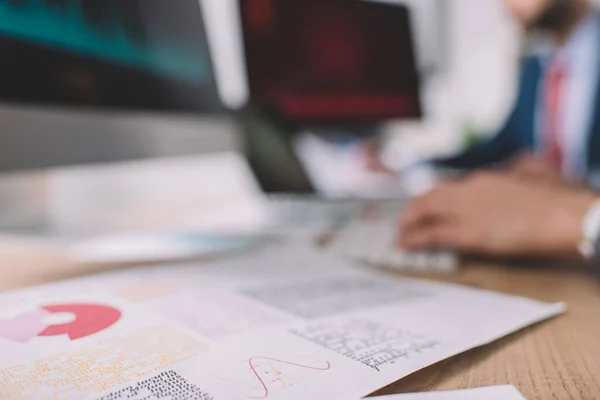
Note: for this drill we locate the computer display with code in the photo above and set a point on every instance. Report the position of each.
(333, 61)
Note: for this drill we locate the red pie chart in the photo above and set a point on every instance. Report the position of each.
(88, 319)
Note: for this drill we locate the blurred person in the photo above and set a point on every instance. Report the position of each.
(555, 121)
(497, 214)
(552, 133)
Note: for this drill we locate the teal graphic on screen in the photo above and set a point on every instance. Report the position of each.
(147, 36)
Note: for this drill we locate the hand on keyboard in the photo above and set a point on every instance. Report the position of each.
(373, 239)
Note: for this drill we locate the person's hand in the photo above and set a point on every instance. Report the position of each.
(531, 166)
(496, 214)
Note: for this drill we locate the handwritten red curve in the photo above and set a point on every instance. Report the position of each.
(264, 386)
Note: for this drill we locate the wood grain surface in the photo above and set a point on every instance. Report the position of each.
(556, 359)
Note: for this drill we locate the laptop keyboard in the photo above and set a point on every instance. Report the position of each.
(375, 242)
(366, 231)
(299, 210)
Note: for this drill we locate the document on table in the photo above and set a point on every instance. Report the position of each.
(278, 322)
(485, 393)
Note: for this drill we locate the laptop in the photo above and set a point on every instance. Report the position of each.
(336, 69)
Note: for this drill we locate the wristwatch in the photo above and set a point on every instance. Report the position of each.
(589, 247)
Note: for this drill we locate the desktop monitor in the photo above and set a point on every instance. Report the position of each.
(339, 62)
(104, 80)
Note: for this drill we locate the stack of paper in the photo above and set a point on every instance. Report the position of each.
(274, 323)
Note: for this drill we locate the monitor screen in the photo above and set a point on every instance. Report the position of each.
(331, 60)
(115, 54)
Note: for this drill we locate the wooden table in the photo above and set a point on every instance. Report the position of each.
(557, 359)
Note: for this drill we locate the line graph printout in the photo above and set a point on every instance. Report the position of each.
(261, 376)
(280, 367)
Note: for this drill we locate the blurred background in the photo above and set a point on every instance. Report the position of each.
(467, 52)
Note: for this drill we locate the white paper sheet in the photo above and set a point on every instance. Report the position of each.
(76, 347)
(282, 322)
(485, 393)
